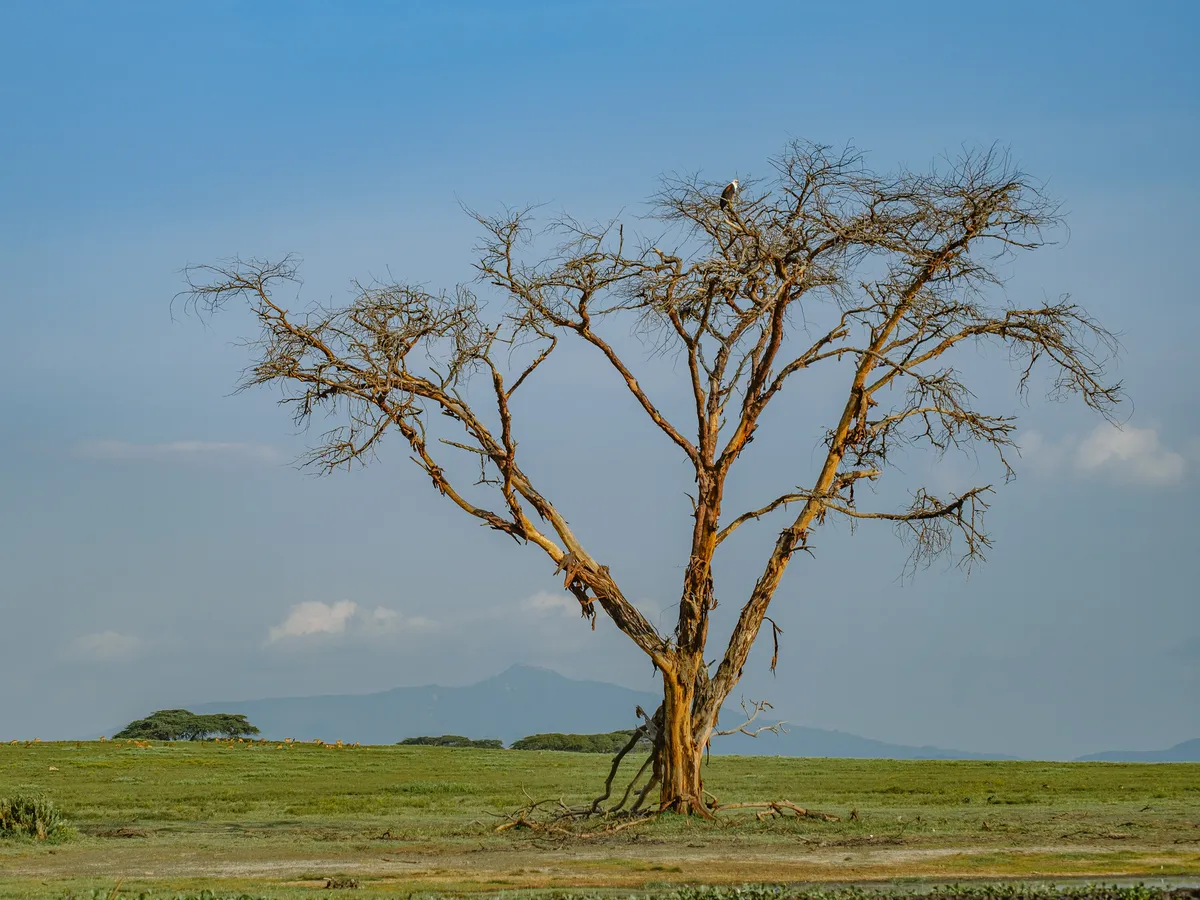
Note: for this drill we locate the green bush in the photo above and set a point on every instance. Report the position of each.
(610, 742)
(453, 740)
(34, 817)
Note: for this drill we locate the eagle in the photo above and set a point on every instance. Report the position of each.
(728, 194)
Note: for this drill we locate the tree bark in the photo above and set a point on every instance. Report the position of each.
(679, 753)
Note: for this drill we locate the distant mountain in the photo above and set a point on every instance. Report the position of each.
(521, 701)
(1188, 751)
(524, 700)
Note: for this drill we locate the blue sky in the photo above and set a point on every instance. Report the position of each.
(152, 532)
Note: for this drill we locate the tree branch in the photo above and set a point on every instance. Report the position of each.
(752, 712)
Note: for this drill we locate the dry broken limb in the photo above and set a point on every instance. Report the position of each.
(557, 821)
(880, 280)
(752, 711)
(634, 739)
(526, 816)
(777, 808)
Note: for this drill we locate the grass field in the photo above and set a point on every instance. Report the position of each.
(279, 822)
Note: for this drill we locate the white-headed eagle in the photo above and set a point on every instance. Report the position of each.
(728, 194)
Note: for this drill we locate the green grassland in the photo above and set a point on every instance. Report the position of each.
(280, 820)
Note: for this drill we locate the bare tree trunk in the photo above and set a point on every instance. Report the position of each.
(687, 720)
(679, 753)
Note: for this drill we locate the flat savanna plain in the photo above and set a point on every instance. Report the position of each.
(280, 820)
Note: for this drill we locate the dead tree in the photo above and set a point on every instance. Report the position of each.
(882, 277)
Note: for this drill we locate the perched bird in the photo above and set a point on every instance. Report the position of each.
(728, 194)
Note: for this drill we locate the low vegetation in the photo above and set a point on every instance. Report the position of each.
(181, 725)
(792, 892)
(609, 743)
(283, 819)
(32, 816)
(453, 740)
(945, 892)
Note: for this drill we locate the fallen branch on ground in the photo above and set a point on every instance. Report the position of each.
(773, 808)
(557, 823)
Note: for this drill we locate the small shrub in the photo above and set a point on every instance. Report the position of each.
(34, 817)
(433, 787)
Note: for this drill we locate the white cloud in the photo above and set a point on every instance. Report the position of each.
(104, 646)
(1132, 453)
(314, 617)
(346, 618)
(181, 452)
(1128, 454)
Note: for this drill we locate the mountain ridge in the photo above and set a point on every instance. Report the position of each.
(1185, 751)
(505, 706)
(524, 700)
(498, 707)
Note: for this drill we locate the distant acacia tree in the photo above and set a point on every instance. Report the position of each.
(882, 278)
(181, 725)
(453, 740)
(228, 725)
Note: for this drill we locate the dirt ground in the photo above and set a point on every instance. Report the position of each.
(629, 863)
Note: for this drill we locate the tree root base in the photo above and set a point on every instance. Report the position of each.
(553, 818)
